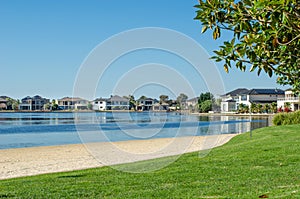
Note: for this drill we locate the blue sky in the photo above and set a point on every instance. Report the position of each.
(44, 43)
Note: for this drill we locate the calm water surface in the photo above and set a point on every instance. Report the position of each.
(18, 130)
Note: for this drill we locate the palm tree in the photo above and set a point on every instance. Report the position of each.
(163, 98)
(259, 108)
(243, 108)
(267, 108)
(274, 107)
(253, 108)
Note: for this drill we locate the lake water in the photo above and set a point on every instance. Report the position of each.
(18, 130)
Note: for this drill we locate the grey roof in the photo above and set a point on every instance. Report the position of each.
(118, 98)
(100, 99)
(239, 91)
(72, 99)
(146, 99)
(27, 98)
(3, 99)
(193, 99)
(265, 92)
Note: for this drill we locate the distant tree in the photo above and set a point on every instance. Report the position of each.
(12, 104)
(47, 106)
(15, 105)
(181, 99)
(9, 103)
(205, 106)
(163, 98)
(90, 106)
(266, 35)
(143, 97)
(54, 106)
(205, 97)
(132, 102)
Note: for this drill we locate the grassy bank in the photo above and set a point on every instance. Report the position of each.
(266, 164)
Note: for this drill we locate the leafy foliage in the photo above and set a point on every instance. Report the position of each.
(205, 106)
(163, 98)
(181, 98)
(286, 118)
(266, 35)
(206, 102)
(205, 96)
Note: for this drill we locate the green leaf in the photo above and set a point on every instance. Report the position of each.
(226, 68)
(253, 67)
(204, 28)
(270, 73)
(259, 71)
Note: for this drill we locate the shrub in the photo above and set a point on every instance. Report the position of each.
(286, 118)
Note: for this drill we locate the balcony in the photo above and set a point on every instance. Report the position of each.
(289, 99)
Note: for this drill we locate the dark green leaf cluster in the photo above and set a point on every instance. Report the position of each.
(206, 102)
(266, 35)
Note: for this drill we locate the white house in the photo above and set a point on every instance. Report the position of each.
(145, 104)
(232, 100)
(71, 103)
(160, 107)
(117, 103)
(291, 98)
(99, 104)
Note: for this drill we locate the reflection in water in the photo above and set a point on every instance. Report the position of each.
(40, 129)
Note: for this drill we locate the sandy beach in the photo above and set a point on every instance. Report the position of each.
(50, 159)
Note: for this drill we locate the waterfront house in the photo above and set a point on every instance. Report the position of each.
(160, 107)
(99, 104)
(72, 103)
(232, 100)
(289, 98)
(117, 103)
(145, 104)
(33, 103)
(3, 103)
(190, 104)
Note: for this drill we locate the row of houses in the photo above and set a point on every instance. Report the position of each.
(229, 102)
(37, 103)
(232, 100)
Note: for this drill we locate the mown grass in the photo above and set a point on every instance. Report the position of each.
(267, 164)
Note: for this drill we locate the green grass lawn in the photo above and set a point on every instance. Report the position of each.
(266, 164)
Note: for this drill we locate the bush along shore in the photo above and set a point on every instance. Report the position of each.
(287, 118)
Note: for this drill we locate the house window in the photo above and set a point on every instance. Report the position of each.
(244, 97)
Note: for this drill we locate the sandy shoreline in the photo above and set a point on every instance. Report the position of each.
(50, 159)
